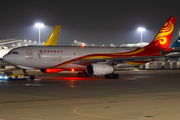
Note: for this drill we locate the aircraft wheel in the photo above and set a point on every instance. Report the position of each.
(111, 76)
(83, 74)
(106, 76)
(116, 76)
(87, 75)
(32, 77)
(79, 74)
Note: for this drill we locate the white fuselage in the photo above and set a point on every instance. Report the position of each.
(41, 57)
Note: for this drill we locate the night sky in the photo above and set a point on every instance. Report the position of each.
(90, 21)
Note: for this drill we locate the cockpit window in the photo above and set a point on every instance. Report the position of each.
(13, 52)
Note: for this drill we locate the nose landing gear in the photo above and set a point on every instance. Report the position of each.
(31, 77)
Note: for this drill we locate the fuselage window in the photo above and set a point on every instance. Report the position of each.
(13, 52)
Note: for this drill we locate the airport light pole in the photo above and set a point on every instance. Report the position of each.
(75, 42)
(30, 42)
(25, 42)
(141, 29)
(40, 25)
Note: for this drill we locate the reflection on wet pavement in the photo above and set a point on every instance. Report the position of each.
(71, 83)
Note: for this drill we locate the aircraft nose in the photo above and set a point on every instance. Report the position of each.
(6, 58)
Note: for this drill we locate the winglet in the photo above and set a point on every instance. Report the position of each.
(53, 38)
(163, 38)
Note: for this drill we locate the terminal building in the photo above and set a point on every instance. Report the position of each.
(135, 45)
(15, 42)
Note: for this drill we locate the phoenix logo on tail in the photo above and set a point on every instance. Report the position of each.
(163, 38)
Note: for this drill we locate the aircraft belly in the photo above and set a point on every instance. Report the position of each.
(125, 65)
(73, 66)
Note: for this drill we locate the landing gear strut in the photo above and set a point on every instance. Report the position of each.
(112, 76)
(31, 77)
(25, 72)
(83, 74)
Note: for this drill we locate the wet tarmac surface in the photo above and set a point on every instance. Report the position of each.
(136, 95)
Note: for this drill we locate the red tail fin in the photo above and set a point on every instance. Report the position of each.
(163, 38)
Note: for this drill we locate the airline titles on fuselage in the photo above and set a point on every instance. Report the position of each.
(50, 51)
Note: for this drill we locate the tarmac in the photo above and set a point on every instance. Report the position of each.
(136, 95)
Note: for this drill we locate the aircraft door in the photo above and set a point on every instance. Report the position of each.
(29, 53)
(35, 55)
(32, 54)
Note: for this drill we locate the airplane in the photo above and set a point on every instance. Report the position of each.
(52, 40)
(92, 61)
(176, 43)
(176, 51)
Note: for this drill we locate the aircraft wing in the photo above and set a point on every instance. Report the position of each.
(143, 59)
(115, 61)
(87, 62)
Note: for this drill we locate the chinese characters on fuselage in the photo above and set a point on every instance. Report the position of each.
(50, 51)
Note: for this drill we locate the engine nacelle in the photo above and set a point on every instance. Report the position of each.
(51, 70)
(99, 69)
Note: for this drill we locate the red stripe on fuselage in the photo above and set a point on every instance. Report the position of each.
(153, 51)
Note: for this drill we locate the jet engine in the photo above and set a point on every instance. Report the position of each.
(51, 70)
(98, 69)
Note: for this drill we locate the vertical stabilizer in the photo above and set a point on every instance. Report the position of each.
(176, 43)
(53, 38)
(163, 38)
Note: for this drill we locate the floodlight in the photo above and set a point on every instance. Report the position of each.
(39, 25)
(141, 29)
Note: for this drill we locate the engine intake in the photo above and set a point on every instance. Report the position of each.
(99, 69)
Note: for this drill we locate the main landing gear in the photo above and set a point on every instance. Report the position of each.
(31, 77)
(83, 74)
(112, 76)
